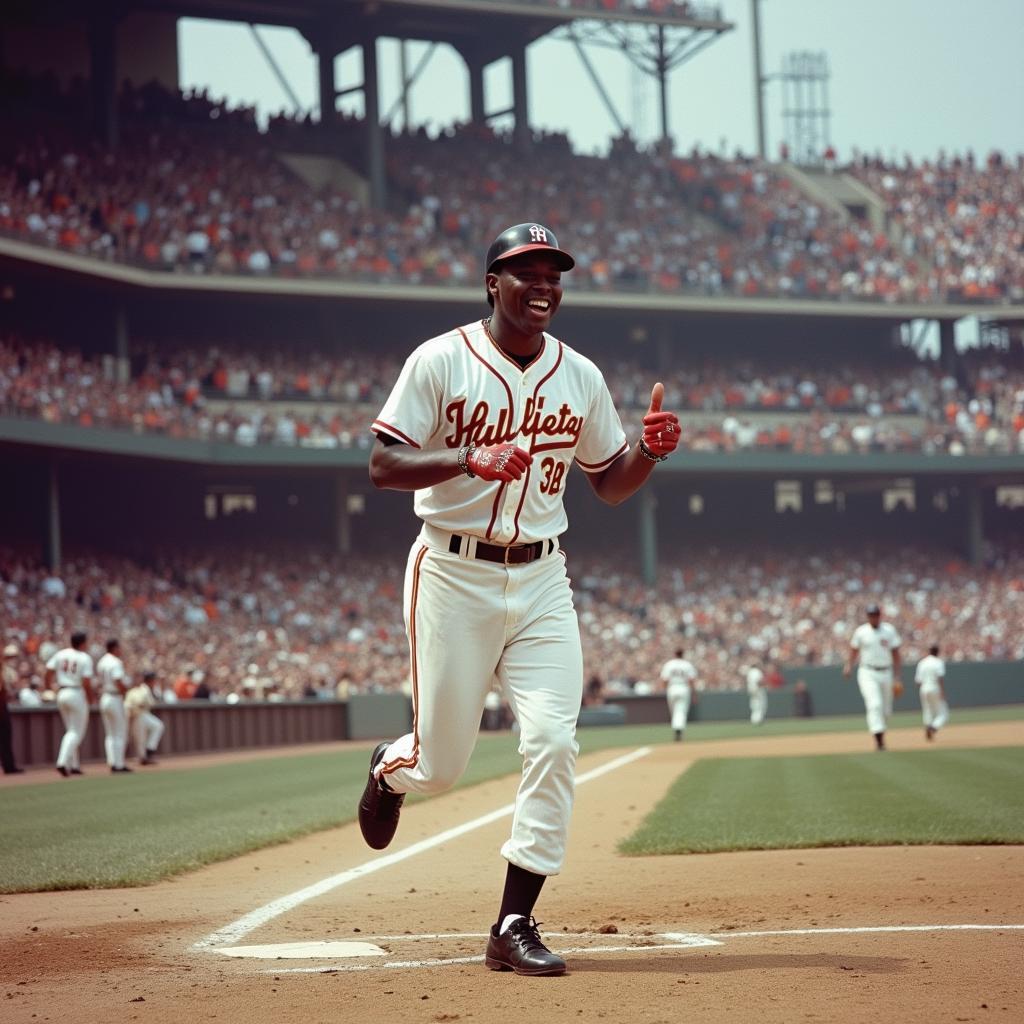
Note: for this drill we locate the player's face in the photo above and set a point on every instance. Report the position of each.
(528, 291)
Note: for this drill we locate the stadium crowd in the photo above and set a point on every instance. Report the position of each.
(236, 394)
(193, 186)
(297, 622)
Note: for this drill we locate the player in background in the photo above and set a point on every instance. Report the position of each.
(145, 728)
(113, 685)
(929, 676)
(679, 677)
(70, 671)
(875, 647)
(484, 424)
(757, 691)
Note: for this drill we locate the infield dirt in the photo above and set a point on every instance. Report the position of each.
(127, 955)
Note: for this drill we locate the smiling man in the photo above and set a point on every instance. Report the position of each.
(483, 425)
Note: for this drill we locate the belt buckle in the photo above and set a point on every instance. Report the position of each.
(508, 548)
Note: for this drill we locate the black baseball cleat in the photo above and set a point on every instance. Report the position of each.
(66, 772)
(520, 949)
(124, 769)
(379, 808)
(77, 771)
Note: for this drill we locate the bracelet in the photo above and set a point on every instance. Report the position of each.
(648, 454)
(465, 453)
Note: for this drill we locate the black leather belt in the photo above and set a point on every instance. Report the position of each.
(518, 554)
(879, 668)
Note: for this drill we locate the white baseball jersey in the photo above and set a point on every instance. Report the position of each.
(929, 673)
(461, 388)
(678, 672)
(71, 667)
(755, 680)
(875, 645)
(110, 672)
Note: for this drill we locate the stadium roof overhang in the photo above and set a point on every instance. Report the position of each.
(346, 22)
(23, 258)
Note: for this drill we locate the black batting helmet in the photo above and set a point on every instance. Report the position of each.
(522, 238)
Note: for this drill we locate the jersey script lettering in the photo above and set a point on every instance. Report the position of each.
(475, 429)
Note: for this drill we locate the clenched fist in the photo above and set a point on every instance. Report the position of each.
(661, 429)
(499, 462)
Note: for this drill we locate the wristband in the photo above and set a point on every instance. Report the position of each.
(648, 454)
(464, 455)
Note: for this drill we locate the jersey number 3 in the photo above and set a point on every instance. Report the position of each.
(551, 481)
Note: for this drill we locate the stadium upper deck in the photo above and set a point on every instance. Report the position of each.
(194, 187)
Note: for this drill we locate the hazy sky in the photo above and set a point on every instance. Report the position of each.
(907, 76)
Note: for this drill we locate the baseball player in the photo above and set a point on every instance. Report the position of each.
(875, 646)
(929, 674)
(112, 686)
(145, 728)
(70, 670)
(484, 424)
(679, 677)
(758, 694)
(8, 693)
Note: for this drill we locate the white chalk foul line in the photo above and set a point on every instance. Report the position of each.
(231, 933)
(678, 940)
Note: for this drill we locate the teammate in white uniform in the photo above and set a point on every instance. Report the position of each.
(113, 685)
(70, 671)
(929, 675)
(145, 728)
(679, 676)
(875, 645)
(758, 694)
(484, 424)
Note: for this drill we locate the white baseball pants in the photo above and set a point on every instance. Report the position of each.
(876, 689)
(678, 698)
(934, 710)
(115, 727)
(74, 711)
(758, 706)
(146, 732)
(470, 622)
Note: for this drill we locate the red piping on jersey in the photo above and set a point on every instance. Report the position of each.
(522, 498)
(395, 432)
(504, 383)
(411, 762)
(589, 466)
(521, 369)
(553, 446)
(534, 447)
(494, 510)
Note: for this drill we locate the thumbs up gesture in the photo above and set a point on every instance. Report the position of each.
(661, 429)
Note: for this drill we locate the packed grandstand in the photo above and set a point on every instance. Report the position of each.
(292, 621)
(195, 187)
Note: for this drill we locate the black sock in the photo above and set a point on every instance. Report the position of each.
(522, 888)
(880, 740)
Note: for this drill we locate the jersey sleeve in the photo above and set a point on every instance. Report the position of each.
(411, 413)
(602, 440)
(894, 639)
(87, 669)
(51, 665)
(117, 671)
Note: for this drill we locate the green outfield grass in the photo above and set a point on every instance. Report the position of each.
(872, 799)
(104, 831)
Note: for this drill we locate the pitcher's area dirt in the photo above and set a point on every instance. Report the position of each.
(127, 955)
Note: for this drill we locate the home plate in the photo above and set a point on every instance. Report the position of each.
(304, 950)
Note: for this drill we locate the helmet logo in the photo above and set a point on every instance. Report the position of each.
(537, 233)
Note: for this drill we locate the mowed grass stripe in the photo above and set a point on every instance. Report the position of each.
(104, 831)
(913, 797)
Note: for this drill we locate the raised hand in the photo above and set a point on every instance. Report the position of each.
(661, 429)
(499, 462)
